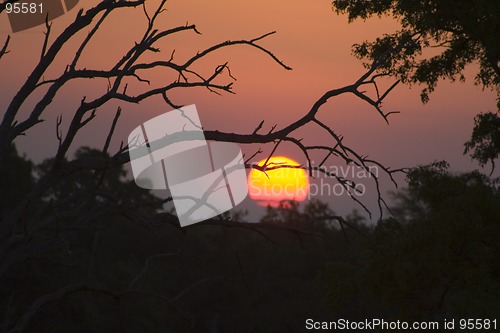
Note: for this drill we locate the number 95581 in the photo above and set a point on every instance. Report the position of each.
(24, 8)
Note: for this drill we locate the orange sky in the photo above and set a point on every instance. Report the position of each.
(311, 39)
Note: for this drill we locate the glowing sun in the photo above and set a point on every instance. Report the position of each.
(278, 183)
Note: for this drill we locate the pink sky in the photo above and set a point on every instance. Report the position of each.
(310, 38)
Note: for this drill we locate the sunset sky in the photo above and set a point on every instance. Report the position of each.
(310, 38)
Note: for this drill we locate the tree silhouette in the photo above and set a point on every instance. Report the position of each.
(463, 32)
(436, 259)
(485, 139)
(17, 177)
(61, 219)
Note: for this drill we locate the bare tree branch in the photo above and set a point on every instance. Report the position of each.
(3, 50)
(111, 130)
(48, 27)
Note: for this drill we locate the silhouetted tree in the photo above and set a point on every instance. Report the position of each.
(70, 231)
(484, 144)
(436, 259)
(461, 31)
(17, 178)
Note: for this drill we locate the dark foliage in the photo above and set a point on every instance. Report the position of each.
(437, 259)
(110, 273)
(484, 144)
(463, 31)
